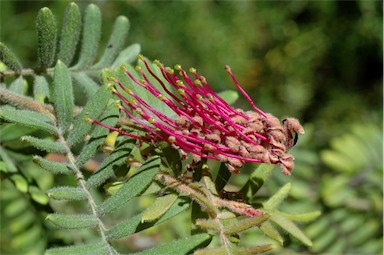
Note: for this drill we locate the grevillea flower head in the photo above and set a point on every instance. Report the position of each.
(206, 126)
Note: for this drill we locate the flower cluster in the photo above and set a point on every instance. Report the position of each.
(206, 126)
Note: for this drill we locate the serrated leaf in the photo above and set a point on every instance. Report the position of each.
(274, 201)
(19, 86)
(127, 56)
(46, 36)
(74, 221)
(106, 169)
(159, 207)
(91, 37)
(271, 232)
(9, 58)
(115, 43)
(93, 109)
(27, 118)
(245, 224)
(229, 96)
(63, 95)
(182, 246)
(89, 86)
(88, 249)
(51, 166)
(291, 228)
(133, 187)
(301, 217)
(256, 180)
(41, 89)
(45, 145)
(135, 225)
(70, 33)
(67, 193)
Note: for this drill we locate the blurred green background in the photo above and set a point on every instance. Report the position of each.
(319, 61)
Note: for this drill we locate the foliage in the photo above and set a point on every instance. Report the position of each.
(47, 119)
(90, 201)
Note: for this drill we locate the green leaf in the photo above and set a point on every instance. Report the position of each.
(93, 109)
(8, 161)
(19, 86)
(46, 36)
(89, 86)
(159, 207)
(51, 166)
(245, 224)
(67, 193)
(27, 118)
(74, 221)
(301, 217)
(291, 228)
(222, 177)
(91, 37)
(274, 201)
(70, 33)
(9, 58)
(106, 169)
(134, 224)
(256, 180)
(45, 145)
(229, 96)
(182, 246)
(41, 89)
(133, 187)
(20, 182)
(63, 95)
(127, 56)
(271, 232)
(115, 44)
(88, 249)
(38, 195)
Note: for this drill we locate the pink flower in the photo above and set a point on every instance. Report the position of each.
(206, 125)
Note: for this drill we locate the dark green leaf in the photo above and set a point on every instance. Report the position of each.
(91, 36)
(133, 187)
(27, 118)
(127, 56)
(89, 249)
(51, 166)
(182, 246)
(89, 86)
(106, 169)
(74, 221)
(67, 193)
(256, 180)
(46, 36)
(134, 224)
(93, 109)
(97, 136)
(9, 58)
(222, 177)
(70, 33)
(41, 89)
(63, 95)
(115, 44)
(45, 145)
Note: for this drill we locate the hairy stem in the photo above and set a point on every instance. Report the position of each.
(91, 202)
